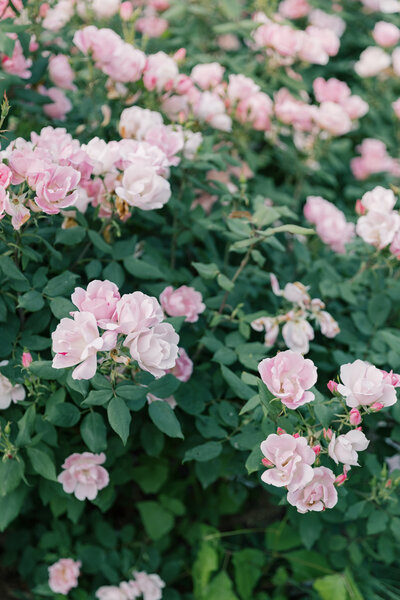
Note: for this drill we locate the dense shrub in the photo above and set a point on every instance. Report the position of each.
(199, 318)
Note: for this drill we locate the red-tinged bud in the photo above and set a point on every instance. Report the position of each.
(26, 359)
(341, 479)
(327, 433)
(332, 386)
(125, 11)
(180, 55)
(316, 449)
(296, 435)
(280, 431)
(267, 463)
(44, 7)
(10, 456)
(360, 208)
(355, 417)
(388, 484)
(377, 406)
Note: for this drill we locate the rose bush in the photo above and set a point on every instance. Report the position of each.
(199, 246)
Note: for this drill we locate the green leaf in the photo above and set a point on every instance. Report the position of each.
(206, 271)
(253, 462)
(225, 283)
(70, 236)
(98, 241)
(119, 418)
(237, 386)
(165, 386)
(97, 398)
(151, 476)
(61, 285)
(295, 229)
(11, 505)
(248, 564)
(142, 269)
(331, 587)
(250, 404)
(11, 472)
(94, 432)
(221, 587)
(10, 269)
(377, 522)
(156, 519)
(42, 463)
(205, 564)
(61, 307)
(25, 426)
(203, 452)
(310, 529)
(32, 301)
(379, 307)
(63, 415)
(164, 419)
(44, 370)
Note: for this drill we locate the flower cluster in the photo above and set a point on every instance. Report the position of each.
(374, 159)
(379, 224)
(330, 222)
(289, 458)
(374, 60)
(297, 330)
(132, 321)
(143, 585)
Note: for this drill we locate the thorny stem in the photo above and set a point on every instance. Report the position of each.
(242, 265)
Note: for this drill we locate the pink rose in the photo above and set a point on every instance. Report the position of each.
(240, 88)
(355, 107)
(378, 228)
(256, 110)
(182, 302)
(291, 459)
(372, 61)
(135, 122)
(60, 72)
(142, 187)
(183, 368)
(211, 109)
(63, 575)
(333, 118)
(100, 298)
(324, 20)
(17, 64)
(76, 342)
(386, 34)
(363, 384)
(150, 585)
(104, 9)
(344, 448)
(379, 199)
(136, 312)
(228, 42)
(331, 224)
(9, 393)
(207, 75)
(169, 139)
(26, 359)
(330, 90)
(329, 327)
(318, 495)
(355, 417)
(83, 476)
(297, 333)
(56, 189)
(287, 376)
(111, 592)
(5, 175)
(160, 72)
(60, 105)
(294, 9)
(155, 349)
(152, 26)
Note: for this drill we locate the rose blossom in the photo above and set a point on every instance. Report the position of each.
(61, 73)
(152, 26)
(378, 228)
(59, 106)
(55, 188)
(211, 109)
(183, 368)
(83, 476)
(330, 90)
(329, 327)
(344, 447)
(160, 72)
(379, 199)
(386, 34)
(135, 122)
(291, 458)
(332, 118)
(182, 302)
(136, 312)
(9, 392)
(331, 224)
(100, 298)
(155, 350)
(294, 9)
(318, 495)
(363, 384)
(111, 592)
(150, 585)
(241, 87)
(297, 334)
(76, 342)
(288, 375)
(372, 61)
(5, 175)
(142, 187)
(63, 575)
(16, 64)
(207, 75)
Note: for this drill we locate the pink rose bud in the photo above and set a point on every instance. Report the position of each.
(280, 431)
(266, 462)
(377, 406)
(125, 11)
(327, 433)
(388, 484)
(44, 7)
(341, 479)
(26, 359)
(180, 55)
(332, 386)
(316, 449)
(360, 208)
(296, 435)
(355, 417)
